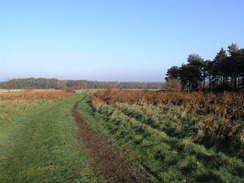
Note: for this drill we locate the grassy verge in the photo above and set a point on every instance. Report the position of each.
(39, 144)
(161, 147)
(177, 122)
(100, 125)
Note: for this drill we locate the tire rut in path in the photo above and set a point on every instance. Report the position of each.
(109, 163)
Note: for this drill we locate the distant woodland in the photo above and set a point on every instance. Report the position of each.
(43, 83)
(224, 73)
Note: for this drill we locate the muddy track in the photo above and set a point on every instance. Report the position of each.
(106, 162)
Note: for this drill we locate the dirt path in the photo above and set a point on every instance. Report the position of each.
(109, 163)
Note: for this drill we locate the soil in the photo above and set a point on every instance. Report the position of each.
(109, 163)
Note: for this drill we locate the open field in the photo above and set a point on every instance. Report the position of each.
(24, 90)
(38, 142)
(120, 136)
(10, 91)
(36, 94)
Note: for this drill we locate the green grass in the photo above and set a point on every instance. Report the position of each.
(157, 140)
(39, 144)
(177, 122)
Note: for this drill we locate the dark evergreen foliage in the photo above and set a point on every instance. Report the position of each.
(224, 72)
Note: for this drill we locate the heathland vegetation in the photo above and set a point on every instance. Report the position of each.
(116, 135)
(121, 136)
(177, 137)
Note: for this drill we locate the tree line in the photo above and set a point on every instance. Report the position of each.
(224, 72)
(44, 83)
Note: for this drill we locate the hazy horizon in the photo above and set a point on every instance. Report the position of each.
(85, 80)
(134, 41)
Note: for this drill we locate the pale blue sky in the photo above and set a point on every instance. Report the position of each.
(109, 40)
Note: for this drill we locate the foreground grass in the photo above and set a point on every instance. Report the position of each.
(160, 147)
(102, 128)
(39, 144)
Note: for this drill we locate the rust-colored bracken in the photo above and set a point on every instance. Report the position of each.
(228, 104)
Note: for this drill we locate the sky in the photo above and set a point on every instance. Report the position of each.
(112, 40)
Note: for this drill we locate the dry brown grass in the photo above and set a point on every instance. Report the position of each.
(36, 94)
(11, 91)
